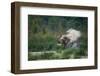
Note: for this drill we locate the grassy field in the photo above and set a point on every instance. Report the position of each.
(60, 54)
(42, 37)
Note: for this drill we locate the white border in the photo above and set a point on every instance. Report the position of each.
(25, 64)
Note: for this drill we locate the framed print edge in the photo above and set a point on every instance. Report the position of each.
(96, 37)
(15, 37)
(12, 38)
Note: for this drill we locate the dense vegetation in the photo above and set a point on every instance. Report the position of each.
(43, 32)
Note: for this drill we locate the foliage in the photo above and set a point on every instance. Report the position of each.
(43, 32)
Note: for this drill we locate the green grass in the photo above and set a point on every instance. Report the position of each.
(44, 47)
(60, 54)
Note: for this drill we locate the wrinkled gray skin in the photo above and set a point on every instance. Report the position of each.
(75, 44)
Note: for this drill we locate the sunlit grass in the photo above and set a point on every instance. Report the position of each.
(59, 54)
